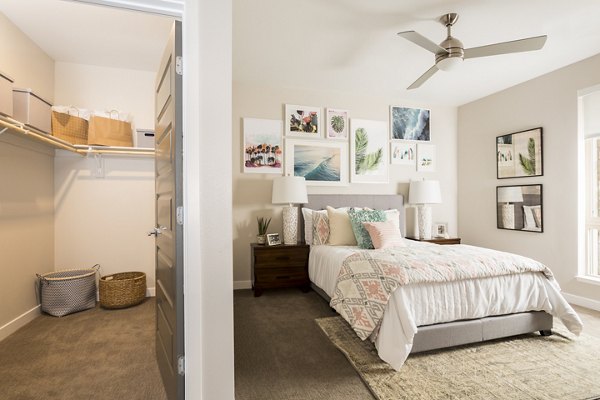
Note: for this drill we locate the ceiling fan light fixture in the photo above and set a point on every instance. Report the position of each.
(449, 63)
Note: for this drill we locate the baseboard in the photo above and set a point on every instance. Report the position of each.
(19, 322)
(582, 301)
(242, 285)
(150, 292)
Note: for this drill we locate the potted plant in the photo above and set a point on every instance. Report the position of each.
(263, 225)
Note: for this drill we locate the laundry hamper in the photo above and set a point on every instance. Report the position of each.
(68, 291)
(121, 290)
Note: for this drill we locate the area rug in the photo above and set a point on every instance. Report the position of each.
(524, 367)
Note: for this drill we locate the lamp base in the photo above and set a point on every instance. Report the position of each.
(424, 222)
(508, 216)
(290, 225)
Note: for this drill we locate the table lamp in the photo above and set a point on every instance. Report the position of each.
(289, 190)
(507, 195)
(423, 193)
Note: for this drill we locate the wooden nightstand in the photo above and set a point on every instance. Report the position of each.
(438, 240)
(279, 266)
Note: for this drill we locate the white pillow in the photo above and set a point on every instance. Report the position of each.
(308, 225)
(393, 216)
(340, 229)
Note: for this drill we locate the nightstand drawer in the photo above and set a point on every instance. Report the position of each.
(280, 257)
(282, 276)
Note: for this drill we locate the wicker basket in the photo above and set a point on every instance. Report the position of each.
(122, 290)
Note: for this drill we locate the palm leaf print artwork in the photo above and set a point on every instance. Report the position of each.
(528, 163)
(366, 161)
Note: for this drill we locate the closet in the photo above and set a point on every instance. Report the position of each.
(65, 206)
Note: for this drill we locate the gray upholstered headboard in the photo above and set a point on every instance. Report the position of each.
(375, 201)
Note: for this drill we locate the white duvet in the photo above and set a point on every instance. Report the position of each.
(411, 306)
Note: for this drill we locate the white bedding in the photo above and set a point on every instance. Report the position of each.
(423, 304)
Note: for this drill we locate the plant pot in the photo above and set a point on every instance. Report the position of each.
(261, 239)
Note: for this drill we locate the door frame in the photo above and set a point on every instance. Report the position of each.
(208, 258)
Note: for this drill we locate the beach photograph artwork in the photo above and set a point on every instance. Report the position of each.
(409, 123)
(320, 163)
(263, 146)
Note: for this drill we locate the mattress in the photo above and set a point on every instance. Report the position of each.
(416, 305)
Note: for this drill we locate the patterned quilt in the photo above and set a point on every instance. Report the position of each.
(368, 277)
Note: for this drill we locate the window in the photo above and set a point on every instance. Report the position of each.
(589, 106)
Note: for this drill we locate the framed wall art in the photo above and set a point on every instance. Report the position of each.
(369, 151)
(302, 121)
(337, 124)
(409, 123)
(426, 157)
(403, 153)
(263, 146)
(520, 208)
(320, 162)
(520, 154)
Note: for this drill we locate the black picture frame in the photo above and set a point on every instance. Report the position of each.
(520, 208)
(520, 154)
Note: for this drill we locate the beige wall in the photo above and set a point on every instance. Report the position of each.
(252, 192)
(105, 220)
(26, 224)
(24, 61)
(549, 101)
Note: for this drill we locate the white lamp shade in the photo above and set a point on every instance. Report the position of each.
(289, 190)
(512, 194)
(424, 192)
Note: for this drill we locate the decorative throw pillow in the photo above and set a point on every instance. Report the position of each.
(340, 230)
(384, 234)
(360, 233)
(393, 216)
(320, 225)
(307, 215)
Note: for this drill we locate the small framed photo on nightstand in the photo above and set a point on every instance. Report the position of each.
(273, 239)
(440, 230)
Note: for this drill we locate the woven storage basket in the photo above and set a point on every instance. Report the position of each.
(122, 290)
(68, 291)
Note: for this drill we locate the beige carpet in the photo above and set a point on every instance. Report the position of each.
(91, 355)
(523, 368)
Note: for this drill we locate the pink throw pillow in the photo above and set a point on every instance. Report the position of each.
(384, 234)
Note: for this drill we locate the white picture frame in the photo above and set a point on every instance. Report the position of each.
(300, 121)
(440, 230)
(337, 124)
(403, 153)
(320, 162)
(256, 134)
(376, 135)
(426, 158)
(273, 239)
(407, 123)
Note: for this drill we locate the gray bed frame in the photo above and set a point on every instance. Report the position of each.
(438, 336)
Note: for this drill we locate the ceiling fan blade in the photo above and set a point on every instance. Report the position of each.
(428, 74)
(422, 41)
(515, 46)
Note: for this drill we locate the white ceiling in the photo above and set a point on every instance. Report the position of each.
(88, 34)
(351, 45)
(339, 45)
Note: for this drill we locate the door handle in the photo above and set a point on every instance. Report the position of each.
(157, 231)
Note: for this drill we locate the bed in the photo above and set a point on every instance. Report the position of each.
(428, 316)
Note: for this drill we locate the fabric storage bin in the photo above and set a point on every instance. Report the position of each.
(31, 109)
(143, 138)
(68, 291)
(6, 95)
(124, 289)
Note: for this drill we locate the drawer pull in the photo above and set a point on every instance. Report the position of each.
(282, 258)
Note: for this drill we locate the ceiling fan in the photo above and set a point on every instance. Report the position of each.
(450, 53)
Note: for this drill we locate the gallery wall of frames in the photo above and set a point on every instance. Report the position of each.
(330, 148)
